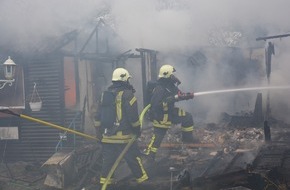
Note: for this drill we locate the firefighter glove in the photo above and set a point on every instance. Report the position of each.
(189, 95)
(184, 96)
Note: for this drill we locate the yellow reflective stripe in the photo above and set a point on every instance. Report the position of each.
(149, 148)
(115, 141)
(181, 112)
(187, 129)
(143, 178)
(163, 125)
(136, 124)
(165, 119)
(97, 123)
(165, 106)
(133, 100)
(119, 135)
(119, 105)
(118, 138)
(144, 174)
(152, 149)
(103, 179)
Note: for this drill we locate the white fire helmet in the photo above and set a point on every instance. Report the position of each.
(166, 71)
(121, 74)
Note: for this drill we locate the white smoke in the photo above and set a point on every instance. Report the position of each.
(175, 28)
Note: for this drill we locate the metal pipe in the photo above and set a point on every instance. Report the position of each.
(171, 169)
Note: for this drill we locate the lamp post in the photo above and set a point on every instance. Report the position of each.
(9, 72)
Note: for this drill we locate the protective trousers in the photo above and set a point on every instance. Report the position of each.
(178, 116)
(111, 152)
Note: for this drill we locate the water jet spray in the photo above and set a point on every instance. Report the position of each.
(223, 91)
(241, 89)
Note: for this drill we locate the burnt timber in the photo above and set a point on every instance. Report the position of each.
(269, 170)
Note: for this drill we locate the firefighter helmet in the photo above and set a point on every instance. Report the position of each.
(166, 71)
(120, 74)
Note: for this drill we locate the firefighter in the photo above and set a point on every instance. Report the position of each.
(163, 112)
(126, 125)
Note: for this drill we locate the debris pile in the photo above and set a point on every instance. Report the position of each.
(221, 144)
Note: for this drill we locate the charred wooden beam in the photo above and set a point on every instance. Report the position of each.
(145, 50)
(270, 169)
(148, 69)
(272, 37)
(95, 31)
(67, 38)
(258, 111)
(212, 163)
(241, 178)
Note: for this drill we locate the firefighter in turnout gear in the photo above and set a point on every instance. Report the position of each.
(126, 125)
(163, 112)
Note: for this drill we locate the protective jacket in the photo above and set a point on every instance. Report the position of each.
(163, 114)
(127, 115)
(114, 139)
(162, 103)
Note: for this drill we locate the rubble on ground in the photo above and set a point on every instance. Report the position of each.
(214, 138)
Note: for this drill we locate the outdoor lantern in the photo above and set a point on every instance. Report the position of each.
(9, 69)
(9, 72)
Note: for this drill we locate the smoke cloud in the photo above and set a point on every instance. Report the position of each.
(209, 42)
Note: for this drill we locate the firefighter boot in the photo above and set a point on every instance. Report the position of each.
(188, 137)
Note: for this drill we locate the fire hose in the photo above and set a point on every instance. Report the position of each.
(114, 167)
(7, 111)
(118, 160)
(120, 157)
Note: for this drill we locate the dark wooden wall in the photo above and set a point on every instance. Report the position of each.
(37, 142)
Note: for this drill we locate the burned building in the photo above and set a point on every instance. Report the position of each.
(67, 74)
(67, 80)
